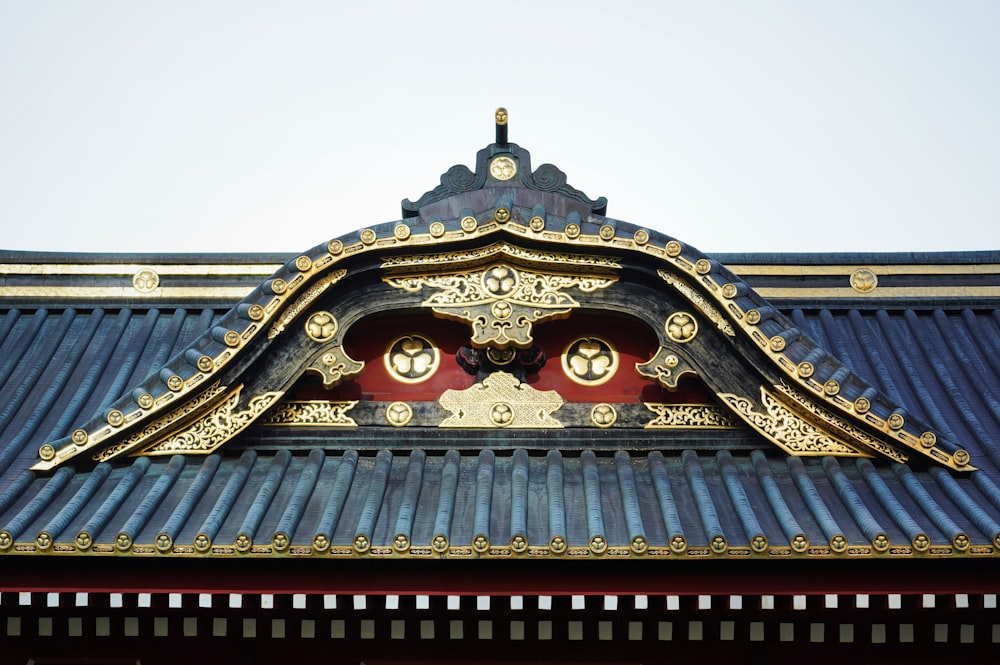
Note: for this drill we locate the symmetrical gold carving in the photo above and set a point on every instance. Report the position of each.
(216, 427)
(401, 231)
(681, 327)
(436, 229)
(320, 327)
(162, 424)
(689, 416)
(864, 280)
(469, 223)
(606, 232)
(536, 224)
(303, 301)
(498, 251)
(368, 236)
(503, 168)
(145, 280)
(641, 237)
(501, 116)
(572, 231)
(501, 401)
(335, 247)
(47, 452)
(590, 361)
(501, 301)
(412, 359)
(785, 428)
(313, 412)
(699, 301)
(398, 414)
(603, 415)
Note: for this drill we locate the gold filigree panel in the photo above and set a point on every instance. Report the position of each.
(785, 428)
(500, 400)
(689, 416)
(213, 429)
(501, 301)
(699, 301)
(313, 413)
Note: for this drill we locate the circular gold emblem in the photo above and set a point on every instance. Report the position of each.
(831, 387)
(500, 356)
(500, 281)
(864, 280)
(303, 263)
(961, 457)
(607, 232)
(321, 326)
(928, 439)
(436, 229)
(205, 363)
(469, 223)
(501, 116)
(368, 236)
(536, 223)
(572, 231)
(255, 312)
(681, 327)
(641, 237)
(805, 369)
(896, 421)
(590, 361)
(503, 168)
(729, 291)
(398, 414)
(79, 437)
(335, 247)
(47, 452)
(145, 280)
(862, 405)
(278, 286)
(175, 383)
(144, 400)
(673, 248)
(501, 414)
(402, 232)
(603, 415)
(412, 359)
(703, 266)
(116, 418)
(502, 215)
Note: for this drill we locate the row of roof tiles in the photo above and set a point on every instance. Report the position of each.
(502, 504)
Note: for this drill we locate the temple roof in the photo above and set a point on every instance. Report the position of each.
(504, 372)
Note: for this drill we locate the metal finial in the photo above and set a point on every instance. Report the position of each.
(501, 119)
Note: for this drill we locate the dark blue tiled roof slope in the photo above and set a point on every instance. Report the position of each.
(60, 366)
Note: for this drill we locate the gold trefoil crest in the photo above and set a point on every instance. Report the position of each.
(590, 361)
(501, 301)
(412, 359)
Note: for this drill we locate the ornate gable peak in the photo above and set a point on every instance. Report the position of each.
(501, 165)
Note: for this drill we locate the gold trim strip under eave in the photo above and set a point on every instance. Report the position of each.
(106, 292)
(882, 292)
(255, 269)
(846, 270)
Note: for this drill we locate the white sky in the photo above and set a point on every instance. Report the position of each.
(739, 126)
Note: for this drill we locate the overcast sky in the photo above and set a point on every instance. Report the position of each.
(743, 126)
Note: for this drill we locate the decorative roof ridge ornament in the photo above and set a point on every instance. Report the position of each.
(502, 164)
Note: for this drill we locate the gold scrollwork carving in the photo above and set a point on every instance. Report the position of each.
(590, 361)
(162, 424)
(785, 428)
(216, 427)
(314, 412)
(665, 367)
(412, 359)
(500, 250)
(500, 400)
(501, 301)
(699, 301)
(334, 366)
(681, 327)
(689, 416)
